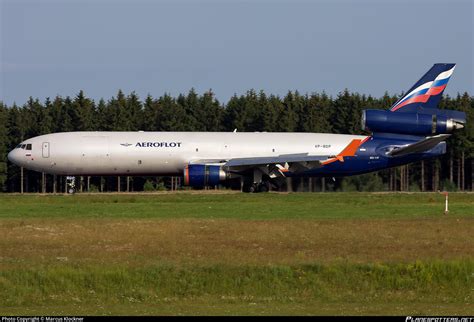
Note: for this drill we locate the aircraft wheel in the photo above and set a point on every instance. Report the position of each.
(263, 187)
(248, 188)
(253, 188)
(71, 191)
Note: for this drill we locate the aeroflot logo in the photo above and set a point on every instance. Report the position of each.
(158, 144)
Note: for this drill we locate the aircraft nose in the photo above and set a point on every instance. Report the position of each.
(14, 157)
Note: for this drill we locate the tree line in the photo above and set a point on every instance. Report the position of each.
(252, 111)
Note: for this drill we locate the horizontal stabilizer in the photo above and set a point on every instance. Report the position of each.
(420, 146)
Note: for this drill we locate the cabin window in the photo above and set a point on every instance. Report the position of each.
(28, 146)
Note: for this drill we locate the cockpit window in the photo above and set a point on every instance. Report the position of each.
(28, 146)
(23, 146)
(18, 146)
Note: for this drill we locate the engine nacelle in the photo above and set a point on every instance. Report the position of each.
(202, 175)
(408, 123)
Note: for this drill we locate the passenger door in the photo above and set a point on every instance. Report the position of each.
(45, 149)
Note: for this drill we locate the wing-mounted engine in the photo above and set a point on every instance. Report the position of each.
(428, 122)
(211, 172)
(204, 175)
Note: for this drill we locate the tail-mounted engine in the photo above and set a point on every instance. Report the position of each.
(438, 122)
(202, 175)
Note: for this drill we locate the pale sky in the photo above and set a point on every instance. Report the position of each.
(51, 48)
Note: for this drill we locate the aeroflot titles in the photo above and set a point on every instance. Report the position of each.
(158, 144)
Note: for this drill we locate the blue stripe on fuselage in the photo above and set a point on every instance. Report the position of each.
(372, 159)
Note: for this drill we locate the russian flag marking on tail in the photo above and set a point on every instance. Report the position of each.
(427, 91)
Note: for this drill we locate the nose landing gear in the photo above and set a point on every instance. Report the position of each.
(71, 184)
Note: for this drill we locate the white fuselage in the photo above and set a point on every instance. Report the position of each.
(162, 153)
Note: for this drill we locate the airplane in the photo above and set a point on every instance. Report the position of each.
(412, 129)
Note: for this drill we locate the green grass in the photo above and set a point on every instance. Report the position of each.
(238, 288)
(230, 253)
(236, 206)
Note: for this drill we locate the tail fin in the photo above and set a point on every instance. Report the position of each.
(427, 92)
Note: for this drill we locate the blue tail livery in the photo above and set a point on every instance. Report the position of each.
(427, 92)
(416, 112)
(412, 129)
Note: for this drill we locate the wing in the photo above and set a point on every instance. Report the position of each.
(271, 164)
(288, 158)
(276, 166)
(285, 162)
(420, 146)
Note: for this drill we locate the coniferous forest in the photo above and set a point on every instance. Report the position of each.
(254, 111)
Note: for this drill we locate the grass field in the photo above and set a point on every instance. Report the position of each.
(232, 253)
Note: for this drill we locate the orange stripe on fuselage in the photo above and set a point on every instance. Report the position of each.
(186, 176)
(349, 151)
(329, 161)
(365, 140)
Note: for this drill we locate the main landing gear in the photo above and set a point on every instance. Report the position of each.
(256, 181)
(263, 186)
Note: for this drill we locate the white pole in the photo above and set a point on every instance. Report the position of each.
(22, 180)
(446, 208)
